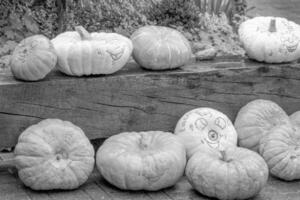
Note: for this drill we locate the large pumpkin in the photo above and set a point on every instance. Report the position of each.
(33, 58)
(271, 39)
(235, 173)
(142, 160)
(82, 53)
(158, 48)
(256, 119)
(205, 126)
(54, 154)
(281, 149)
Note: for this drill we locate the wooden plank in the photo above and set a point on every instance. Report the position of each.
(281, 8)
(12, 191)
(136, 99)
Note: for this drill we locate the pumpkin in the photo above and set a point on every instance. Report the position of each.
(53, 154)
(281, 149)
(235, 173)
(205, 126)
(159, 48)
(33, 58)
(270, 39)
(256, 119)
(149, 160)
(83, 53)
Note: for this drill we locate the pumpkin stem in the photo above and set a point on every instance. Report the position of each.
(84, 34)
(272, 27)
(7, 160)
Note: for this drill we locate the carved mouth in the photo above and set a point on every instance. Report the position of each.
(292, 48)
(214, 145)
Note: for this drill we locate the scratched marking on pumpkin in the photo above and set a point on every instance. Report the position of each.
(201, 123)
(116, 53)
(289, 40)
(204, 113)
(220, 122)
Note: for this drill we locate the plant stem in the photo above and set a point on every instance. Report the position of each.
(7, 160)
(83, 33)
(272, 27)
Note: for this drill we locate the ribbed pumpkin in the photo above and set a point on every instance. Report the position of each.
(281, 149)
(256, 119)
(33, 58)
(54, 154)
(235, 173)
(150, 160)
(205, 126)
(159, 48)
(82, 53)
(271, 39)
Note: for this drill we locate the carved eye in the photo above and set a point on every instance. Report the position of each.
(213, 135)
(220, 122)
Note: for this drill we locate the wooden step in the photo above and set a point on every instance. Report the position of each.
(135, 99)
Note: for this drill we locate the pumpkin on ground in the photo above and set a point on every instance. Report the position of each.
(281, 149)
(205, 126)
(150, 160)
(82, 53)
(54, 154)
(256, 119)
(159, 48)
(271, 39)
(235, 173)
(33, 58)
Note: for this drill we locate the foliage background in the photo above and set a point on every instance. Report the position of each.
(22, 18)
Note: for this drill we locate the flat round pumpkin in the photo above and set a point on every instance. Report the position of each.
(271, 39)
(235, 173)
(82, 53)
(205, 126)
(33, 58)
(54, 154)
(256, 119)
(159, 48)
(142, 160)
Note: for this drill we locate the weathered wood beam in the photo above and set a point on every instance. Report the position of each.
(135, 99)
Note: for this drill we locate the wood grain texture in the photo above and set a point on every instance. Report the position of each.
(98, 189)
(135, 99)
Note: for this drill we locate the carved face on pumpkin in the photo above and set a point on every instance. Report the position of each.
(206, 126)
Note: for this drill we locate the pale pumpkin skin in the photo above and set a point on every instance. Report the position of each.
(160, 48)
(270, 39)
(54, 154)
(281, 150)
(236, 173)
(81, 53)
(150, 160)
(256, 119)
(33, 58)
(205, 126)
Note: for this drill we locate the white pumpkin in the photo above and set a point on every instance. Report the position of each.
(205, 126)
(270, 39)
(82, 53)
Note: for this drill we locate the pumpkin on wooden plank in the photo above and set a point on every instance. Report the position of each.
(270, 39)
(150, 160)
(53, 154)
(234, 173)
(33, 58)
(256, 119)
(205, 126)
(83, 53)
(160, 48)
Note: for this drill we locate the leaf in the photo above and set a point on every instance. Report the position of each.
(30, 23)
(15, 21)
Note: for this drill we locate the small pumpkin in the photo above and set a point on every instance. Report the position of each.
(256, 119)
(270, 39)
(205, 126)
(150, 160)
(235, 173)
(159, 48)
(83, 53)
(281, 149)
(33, 58)
(53, 154)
